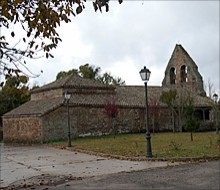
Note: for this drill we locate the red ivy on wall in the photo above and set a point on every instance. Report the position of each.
(111, 110)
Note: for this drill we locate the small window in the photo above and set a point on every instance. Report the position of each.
(183, 74)
(207, 115)
(172, 75)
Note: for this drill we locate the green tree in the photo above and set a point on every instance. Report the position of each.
(14, 93)
(85, 71)
(107, 78)
(92, 72)
(169, 98)
(39, 20)
(180, 104)
(89, 71)
(176, 103)
(191, 123)
(64, 73)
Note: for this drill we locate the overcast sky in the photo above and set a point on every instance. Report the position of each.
(137, 34)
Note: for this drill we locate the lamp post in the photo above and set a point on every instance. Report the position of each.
(145, 75)
(67, 98)
(215, 97)
(1, 54)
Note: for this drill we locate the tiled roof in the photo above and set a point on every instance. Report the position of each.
(201, 101)
(134, 96)
(125, 96)
(73, 81)
(37, 108)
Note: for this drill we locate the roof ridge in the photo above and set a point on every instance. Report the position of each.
(73, 80)
(69, 77)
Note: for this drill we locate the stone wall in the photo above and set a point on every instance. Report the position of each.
(86, 121)
(164, 120)
(178, 60)
(53, 93)
(89, 121)
(22, 130)
(93, 121)
(55, 125)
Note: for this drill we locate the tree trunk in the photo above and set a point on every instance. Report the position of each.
(114, 127)
(173, 121)
(180, 123)
(153, 122)
(191, 136)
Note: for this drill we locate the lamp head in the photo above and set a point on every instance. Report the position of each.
(215, 97)
(1, 53)
(145, 74)
(67, 95)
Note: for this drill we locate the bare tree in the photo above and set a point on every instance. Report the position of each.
(210, 88)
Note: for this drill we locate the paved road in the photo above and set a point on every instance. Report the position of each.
(202, 176)
(28, 165)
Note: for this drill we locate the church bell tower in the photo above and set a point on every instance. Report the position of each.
(182, 71)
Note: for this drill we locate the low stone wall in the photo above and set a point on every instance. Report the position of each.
(22, 130)
(55, 125)
(90, 121)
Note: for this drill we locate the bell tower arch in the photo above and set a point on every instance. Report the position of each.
(172, 75)
(182, 71)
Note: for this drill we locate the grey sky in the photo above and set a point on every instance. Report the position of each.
(136, 34)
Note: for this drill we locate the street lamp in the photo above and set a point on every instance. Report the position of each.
(215, 97)
(1, 54)
(67, 98)
(145, 75)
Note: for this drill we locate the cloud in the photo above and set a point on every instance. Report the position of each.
(138, 33)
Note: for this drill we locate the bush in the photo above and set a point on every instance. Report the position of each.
(207, 126)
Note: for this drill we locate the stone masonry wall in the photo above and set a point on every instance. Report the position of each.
(164, 122)
(86, 121)
(93, 121)
(55, 125)
(83, 121)
(54, 93)
(194, 79)
(22, 130)
(89, 121)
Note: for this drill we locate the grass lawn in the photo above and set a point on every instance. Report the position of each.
(168, 145)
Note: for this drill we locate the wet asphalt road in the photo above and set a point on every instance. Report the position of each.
(197, 176)
(202, 176)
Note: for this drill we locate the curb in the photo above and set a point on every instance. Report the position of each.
(181, 159)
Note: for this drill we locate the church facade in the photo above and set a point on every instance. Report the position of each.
(45, 117)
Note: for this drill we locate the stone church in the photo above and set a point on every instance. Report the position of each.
(45, 117)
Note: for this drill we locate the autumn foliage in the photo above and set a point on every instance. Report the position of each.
(111, 110)
(38, 21)
(154, 113)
